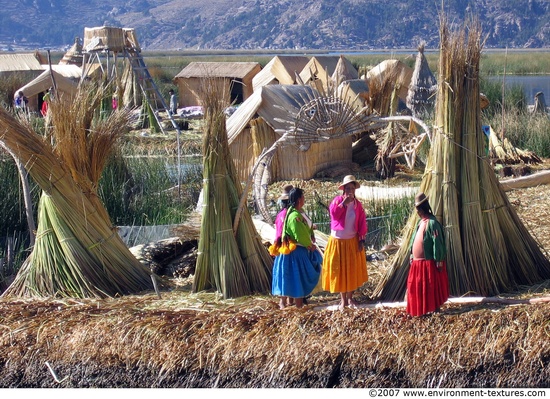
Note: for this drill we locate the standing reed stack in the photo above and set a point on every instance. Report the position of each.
(78, 253)
(232, 261)
(489, 250)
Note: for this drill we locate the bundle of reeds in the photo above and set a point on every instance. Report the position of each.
(78, 252)
(233, 262)
(489, 250)
(504, 152)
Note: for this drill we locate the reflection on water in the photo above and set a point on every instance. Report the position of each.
(188, 165)
(531, 84)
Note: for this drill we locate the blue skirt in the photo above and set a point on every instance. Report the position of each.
(295, 275)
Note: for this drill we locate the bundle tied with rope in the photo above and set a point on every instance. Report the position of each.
(489, 250)
(231, 256)
(77, 253)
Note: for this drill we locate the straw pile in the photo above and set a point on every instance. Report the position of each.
(77, 253)
(503, 152)
(489, 249)
(232, 258)
(200, 342)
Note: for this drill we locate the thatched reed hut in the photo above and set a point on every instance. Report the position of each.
(395, 68)
(74, 55)
(423, 85)
(320, 71)
(282, 69)
(28, 62)
(238, 75)
(66, 83)
(256, 125)
(355, 92)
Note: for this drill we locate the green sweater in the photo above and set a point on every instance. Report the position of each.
(434, 240)
(296, 228)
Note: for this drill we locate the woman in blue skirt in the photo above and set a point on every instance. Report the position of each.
(297, 267)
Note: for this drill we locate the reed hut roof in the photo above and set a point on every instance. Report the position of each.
(422, 86)
(282, 69)
(354, 92)
(44, 81)
(324, 67)
(74, 54)
(19, 62)
(396, 67)
(67, 70)
(273, 103)
(239, 70)
(344, 70)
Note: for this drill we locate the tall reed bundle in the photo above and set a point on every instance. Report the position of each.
(233, 262)
(489, 250)
(77, 253)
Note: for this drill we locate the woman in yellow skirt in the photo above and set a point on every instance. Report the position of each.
(344, 260)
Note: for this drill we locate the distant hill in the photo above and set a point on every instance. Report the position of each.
(269, 24)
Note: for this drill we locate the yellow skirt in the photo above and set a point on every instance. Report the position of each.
(344, 265)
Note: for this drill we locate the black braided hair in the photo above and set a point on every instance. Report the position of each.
(295, 194)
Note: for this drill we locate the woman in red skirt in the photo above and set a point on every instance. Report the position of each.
(427, 283)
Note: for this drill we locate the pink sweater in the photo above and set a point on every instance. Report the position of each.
(338, 216)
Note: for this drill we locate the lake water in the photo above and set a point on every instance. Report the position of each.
(531, 84)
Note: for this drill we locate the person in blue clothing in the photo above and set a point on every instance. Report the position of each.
(297, 268)
(20, 101)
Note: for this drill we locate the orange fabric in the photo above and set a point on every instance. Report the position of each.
(344, 266)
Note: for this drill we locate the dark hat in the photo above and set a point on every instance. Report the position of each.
(420, 199)
(349, 179)
(286, 190)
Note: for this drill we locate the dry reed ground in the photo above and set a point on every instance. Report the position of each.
(198, 340)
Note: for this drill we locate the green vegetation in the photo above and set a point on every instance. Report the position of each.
(508, 111)
(143, 191)
(138, 191)
(527, 62)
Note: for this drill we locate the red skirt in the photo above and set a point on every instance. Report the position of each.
(427, 287)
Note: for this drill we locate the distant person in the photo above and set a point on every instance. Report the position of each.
(344, 260)
(20, 101)
(46, 102)
(173, 103)
(427, 283)
(114, 102)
